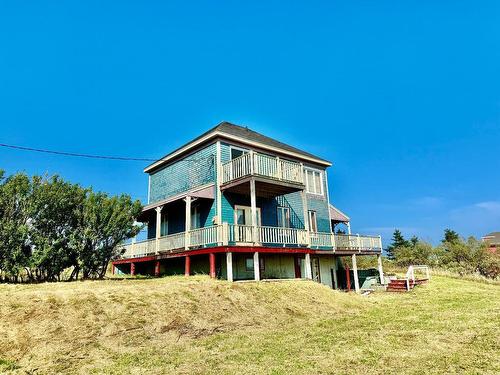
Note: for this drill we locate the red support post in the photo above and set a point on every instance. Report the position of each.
(348, 278)
(112, 269)
(132, 269)
(187, 266)
(211, 258)
(157, 268)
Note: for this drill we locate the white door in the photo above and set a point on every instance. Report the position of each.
(243, 220)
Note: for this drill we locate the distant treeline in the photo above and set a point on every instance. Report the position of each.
(463, 256)
(51, 229)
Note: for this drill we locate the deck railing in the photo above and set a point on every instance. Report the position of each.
(247, 235)
(257, 164)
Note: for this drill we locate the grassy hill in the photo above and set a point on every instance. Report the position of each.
(198, 325)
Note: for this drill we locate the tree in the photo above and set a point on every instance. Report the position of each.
(49, 226)
(55, 209)
(417, 253)
(106, 222)
(397, 241)
(15, 194)
(414, 241)
(450, 236)
(464, 256)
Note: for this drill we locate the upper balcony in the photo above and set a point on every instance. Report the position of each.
(273, 175)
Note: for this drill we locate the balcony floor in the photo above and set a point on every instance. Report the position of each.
(265, 187)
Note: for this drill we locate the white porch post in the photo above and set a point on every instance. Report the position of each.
(307, 266)
(335, 280)
(253, 206)
(380, 271)
(218, 183)
(355, 272)
(158, 227)
(348, 227)
(188, 222)
(229, 266)
(256, 268)
(306, 215)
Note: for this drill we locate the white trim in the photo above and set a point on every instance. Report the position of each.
(306, 182)
(238, 139)
(149, 188)
(328, 202)
(218, 191)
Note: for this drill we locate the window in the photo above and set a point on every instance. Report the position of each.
(283, 217)
(243, 215)
(314, 181)
(240, 216)
(195, 217)
(313, 224)
(164, 224)
(249, 264)
(237, 152)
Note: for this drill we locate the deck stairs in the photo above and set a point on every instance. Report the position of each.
(410, 281)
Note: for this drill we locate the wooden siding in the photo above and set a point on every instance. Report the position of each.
(192, 171)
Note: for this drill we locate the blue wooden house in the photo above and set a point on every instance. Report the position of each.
(238, 205)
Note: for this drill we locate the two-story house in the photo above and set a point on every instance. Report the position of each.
(238, 205)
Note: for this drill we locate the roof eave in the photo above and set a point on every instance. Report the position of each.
(217, 134)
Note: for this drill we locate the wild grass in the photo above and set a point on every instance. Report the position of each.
(200, 326)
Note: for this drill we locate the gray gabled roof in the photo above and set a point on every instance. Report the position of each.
(241, 133)
(251, 135)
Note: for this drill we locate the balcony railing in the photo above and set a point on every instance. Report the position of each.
(237, 235)
(255, 164)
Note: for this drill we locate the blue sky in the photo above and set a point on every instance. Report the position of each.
(402, 96)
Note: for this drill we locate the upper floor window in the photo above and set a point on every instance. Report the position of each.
(314, 181)
(283, 217)
(237, 152)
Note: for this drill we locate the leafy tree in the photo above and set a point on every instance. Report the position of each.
(49, 226)
(414, 241)
(14, 224)
(415, 253)
(464, 256)
(397, 241)
(55, 210)
(106, 222)
(450, 236)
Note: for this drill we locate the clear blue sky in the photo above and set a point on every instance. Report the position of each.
(402, 96)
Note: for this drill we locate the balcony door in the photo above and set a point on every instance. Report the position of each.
(243, 215)
(243, 219)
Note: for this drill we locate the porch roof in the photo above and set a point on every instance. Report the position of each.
(337, 215)
(205, 191)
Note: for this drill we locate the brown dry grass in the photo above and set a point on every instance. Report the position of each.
(198, 325)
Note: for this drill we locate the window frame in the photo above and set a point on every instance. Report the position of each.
(310, 214)
(321, 181)
(283, 209)
(231, 148)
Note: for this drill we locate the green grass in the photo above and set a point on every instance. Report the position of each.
(198, 326)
